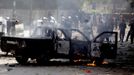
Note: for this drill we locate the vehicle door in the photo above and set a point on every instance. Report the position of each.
(63, 43)
(105, 45)
(80, 45)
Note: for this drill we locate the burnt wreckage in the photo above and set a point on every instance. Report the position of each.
(60, 43)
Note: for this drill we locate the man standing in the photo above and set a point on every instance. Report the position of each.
(131, 30)
(122, 27)
(1, 27)
(11, 26)
(8, 26)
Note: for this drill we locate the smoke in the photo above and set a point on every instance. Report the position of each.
(69, 4)
(103, 12)
(78, 14)
(89, 16)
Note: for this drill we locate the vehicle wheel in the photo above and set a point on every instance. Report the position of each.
(42, 59)
(21, 59)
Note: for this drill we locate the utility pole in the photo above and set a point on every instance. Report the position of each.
(14, 9)
(30, 15)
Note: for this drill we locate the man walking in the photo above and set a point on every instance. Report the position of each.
(132, 30)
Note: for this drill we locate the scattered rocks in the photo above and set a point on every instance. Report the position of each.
(9, 69)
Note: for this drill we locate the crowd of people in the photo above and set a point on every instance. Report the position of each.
(104, 22)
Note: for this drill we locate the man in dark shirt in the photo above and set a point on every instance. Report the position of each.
(128, 34)
(8, 26)
(132, 30)
(2, 27)
(122, 27)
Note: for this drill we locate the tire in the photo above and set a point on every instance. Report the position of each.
(21, 60)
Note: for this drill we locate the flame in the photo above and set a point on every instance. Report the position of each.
(104, 62)
(92, 64)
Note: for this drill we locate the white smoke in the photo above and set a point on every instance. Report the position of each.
(85, 10)
(75, 12)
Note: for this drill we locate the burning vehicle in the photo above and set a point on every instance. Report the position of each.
(47, 43)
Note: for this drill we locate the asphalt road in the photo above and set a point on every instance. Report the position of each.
(9, 66)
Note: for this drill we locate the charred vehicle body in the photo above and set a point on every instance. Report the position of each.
(48, 43)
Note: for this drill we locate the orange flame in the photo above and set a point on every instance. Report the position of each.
(92, 64)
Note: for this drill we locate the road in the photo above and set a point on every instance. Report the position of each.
(9, 66)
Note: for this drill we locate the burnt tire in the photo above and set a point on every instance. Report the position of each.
(21, 60)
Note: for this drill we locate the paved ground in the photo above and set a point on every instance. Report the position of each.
(8, 66)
